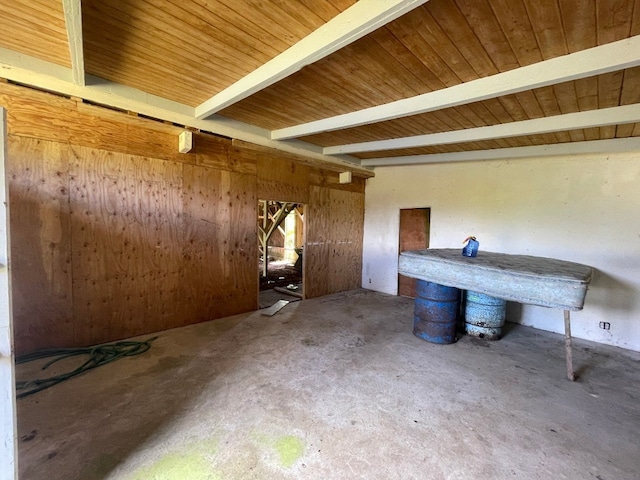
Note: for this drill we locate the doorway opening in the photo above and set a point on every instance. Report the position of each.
(414, 235)
(281, 234)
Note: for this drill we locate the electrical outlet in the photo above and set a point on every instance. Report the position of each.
(605, 325)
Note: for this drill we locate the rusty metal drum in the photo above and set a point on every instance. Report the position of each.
(484, 315)
(436, 312)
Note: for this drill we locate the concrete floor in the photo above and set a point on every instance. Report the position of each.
(339, 388)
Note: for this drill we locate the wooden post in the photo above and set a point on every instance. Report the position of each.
(567, 345)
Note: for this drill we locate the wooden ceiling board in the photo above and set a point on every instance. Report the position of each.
(614, 19)
(405, 64)
(207, 45)
(400, 45)
(223, 19)
(546, 20)
(444, 30)
(449, 41)
(320, 83)
(121, 50)
(514, 22)
(380, 62)
(357, 69)
(119, 33)
(457, 25)
(483, 21)
(580, 26)
(35, 28)
(319, 98)
(635, 20)
(136, 42)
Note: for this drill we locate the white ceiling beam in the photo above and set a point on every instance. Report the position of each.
(631, 144)
(38, 73)
(594, 61)
(357, 21)
(73, 22)
(557, 123)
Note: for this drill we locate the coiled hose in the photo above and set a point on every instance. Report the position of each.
(98, 355)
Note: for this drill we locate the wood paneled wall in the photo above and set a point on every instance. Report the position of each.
(116, 234)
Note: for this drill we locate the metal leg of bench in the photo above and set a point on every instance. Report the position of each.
(567, 345)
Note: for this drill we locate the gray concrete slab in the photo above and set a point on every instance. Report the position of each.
(338, 387)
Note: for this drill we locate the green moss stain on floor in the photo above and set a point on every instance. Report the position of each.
(191, 464)
(289, 449)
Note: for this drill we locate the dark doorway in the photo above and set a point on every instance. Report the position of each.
(414, 235)
(281, 249)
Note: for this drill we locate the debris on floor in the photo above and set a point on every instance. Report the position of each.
(275, 308)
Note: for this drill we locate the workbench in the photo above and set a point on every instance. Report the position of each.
(546, 282)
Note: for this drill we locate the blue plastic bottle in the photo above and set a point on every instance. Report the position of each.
(471, 247)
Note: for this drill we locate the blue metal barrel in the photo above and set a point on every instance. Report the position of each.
(484, 315)
(436, 310)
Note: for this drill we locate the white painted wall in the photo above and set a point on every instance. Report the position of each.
(584, 209)
(8, 446)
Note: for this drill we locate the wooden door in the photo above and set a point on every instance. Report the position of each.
(414, 235)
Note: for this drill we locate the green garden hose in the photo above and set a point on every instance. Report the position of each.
(98, 355)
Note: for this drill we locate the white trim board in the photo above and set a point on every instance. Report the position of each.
(631, 144)
(354, 23)
(557, 123)
(8, 428)
(73, 22)
(586, 63)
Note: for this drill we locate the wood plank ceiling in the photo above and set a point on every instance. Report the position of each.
(178, 56)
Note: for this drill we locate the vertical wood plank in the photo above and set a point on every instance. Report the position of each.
(316, 253)
(346, 227)
(41, 244)
(282, 179)
(106, 219)
(219, 275)
(126, 229)
(333, 252)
